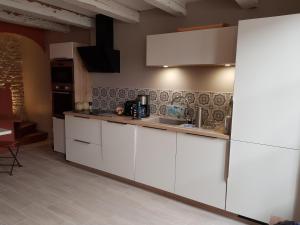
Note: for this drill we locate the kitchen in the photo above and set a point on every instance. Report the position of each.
(250, 175)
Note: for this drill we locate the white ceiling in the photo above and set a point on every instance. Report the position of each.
(140, 5)
(58, 15)
(135, 4)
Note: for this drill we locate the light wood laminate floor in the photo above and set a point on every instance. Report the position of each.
(49, 191)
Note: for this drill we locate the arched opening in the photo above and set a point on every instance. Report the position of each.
(24, 65)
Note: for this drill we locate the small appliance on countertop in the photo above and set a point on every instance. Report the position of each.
(145, 105)
(139, 108)
(128, 107)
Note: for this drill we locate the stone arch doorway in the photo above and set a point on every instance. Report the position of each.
(24, 65)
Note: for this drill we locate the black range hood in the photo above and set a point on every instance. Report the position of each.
(102, 58)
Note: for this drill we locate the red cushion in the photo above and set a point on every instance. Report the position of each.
(6, 110)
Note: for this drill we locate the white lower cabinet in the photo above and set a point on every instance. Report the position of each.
(59, 137)
(83, 141)
(201, 168)
(118, 146)
(83, 153)
(155, 158)
(263, 181)
(83, 128)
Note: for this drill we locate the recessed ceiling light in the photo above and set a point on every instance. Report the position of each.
(165, 66)
(227, 65)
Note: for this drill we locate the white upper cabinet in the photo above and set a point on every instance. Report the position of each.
(118, 147)
(266, 107)
(263, 182)
(201, 47)
(201, 169)
(155, 158)
(62, 50)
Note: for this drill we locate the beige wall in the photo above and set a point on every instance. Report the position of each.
(37, 87)
(131, 40)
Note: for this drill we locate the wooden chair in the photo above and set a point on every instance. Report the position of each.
(8, 145)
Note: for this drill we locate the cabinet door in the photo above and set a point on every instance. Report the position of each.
(200, 169)
(155, 158)
(199, 47)
(62, 50)
(266, 107)
(59, 135)
(83, 153)
(83, 129)
(118, 144)
(263, 181)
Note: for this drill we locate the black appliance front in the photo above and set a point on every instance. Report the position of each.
(62, 71)
(62, 101)
(98, 59)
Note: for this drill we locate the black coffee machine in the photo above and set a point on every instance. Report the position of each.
(145, 105)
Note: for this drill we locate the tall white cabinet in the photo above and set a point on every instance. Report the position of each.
(266, 92)
(264, 159)
(263, 181)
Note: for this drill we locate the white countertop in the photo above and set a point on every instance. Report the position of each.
(4, 132)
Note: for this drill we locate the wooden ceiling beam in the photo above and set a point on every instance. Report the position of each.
(47, 12)
(174, 7)
(109, 8)
(16, 18)
(247, 4)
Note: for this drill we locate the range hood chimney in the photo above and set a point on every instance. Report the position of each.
(102, 58)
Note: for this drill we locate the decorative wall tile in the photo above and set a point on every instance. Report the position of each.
(153, 95)
(104, 92)
(215, 106)
(219, 99)
(164, 96)
(95, 92)
(204, 99)
(132, 94)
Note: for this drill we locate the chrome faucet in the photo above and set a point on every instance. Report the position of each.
(186, 113)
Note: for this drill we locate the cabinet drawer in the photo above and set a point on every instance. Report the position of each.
(83, 129)
(83, 153)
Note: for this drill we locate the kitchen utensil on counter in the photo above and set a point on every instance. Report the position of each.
(79, 106)
(137, 110)
(85, 106)
(145, 105)
(119, 110)
(128, 107)
(198, 121)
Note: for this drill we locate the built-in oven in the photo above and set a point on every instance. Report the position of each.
(62, 77)
(62, 101)
(62, 71)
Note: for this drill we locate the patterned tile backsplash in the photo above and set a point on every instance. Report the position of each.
(215, 106)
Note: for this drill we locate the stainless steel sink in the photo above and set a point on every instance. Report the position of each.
(167, 121)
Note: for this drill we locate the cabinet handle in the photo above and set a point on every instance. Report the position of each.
(200, 135)
(84, 142)
(122, 123)
(62, 92)
(226, 174)
(82, 117)
(156, 128)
